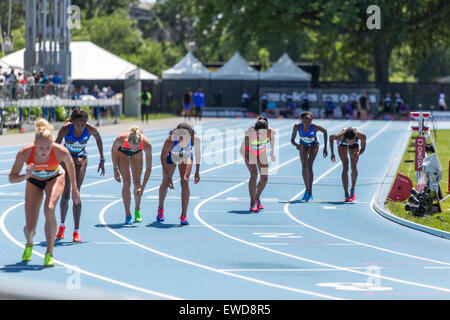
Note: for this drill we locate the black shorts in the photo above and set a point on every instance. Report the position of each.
(352, 146)
(169, 158)
(41, 184)
(198, 110)
(129, 152)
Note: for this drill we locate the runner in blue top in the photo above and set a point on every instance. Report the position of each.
(180, 149)
(308, 148)
(76, 133)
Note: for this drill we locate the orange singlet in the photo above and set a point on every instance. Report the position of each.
(47, 169)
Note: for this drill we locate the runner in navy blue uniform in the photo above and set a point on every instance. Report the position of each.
(308, 148)
(76, 133)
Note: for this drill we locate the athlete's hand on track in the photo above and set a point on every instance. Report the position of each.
(325, 153)
(333, 158)
(196, 177)
(171, 184)
(29, 170)
(101, 168)
(76, 196)
(140, 191)
(117, 175)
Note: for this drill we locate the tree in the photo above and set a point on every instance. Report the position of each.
(331, 23)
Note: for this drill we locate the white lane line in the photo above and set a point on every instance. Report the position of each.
(102, 220)
(94, 275)
(289, 270)
(196, 213)
(286, 210)
(205, 267)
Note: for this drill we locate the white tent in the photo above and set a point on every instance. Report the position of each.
(187, 68)
(284, 70)
(445, 79)
(89, 62)
(235, 69)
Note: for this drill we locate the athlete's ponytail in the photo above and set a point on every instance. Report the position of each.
(135, 135)
(43, 130)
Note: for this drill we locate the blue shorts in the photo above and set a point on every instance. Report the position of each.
(169, 158)
(187, 106)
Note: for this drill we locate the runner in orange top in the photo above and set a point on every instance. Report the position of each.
(44, 175)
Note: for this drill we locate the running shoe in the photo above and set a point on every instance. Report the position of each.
(27, 253)
(310, 197)
(76, 237)
(352, 195)
(305, 196)
(129, 220)
(137, 216)
(259, 205)
(347, 198)
(48, 261)
(60, 234)
(183, 221)
(254, 208)
(160, 215)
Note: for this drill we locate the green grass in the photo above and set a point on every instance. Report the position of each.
(407, 168)
(153, 116)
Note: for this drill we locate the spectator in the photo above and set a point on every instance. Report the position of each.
(186, 102)
(305, 100)
(271, 108)
(95, 91)
(11, 81)
(289, 98)
(329, 107)
(352, 100)
(404, 112)
(346, 110)
(145, 99)
(56, 79)
(2, 77)
(387, 105)
(398, 102)
(199, 103)
(290, 109)
(245, 99)
(218, 98)
(264, 101)
(109, 92)
(442, 105)
(363, 106)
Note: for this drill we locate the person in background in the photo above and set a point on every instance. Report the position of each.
(363, 106)
(442, 104)
(56, 79)
(305, 101)
(398, 102)
(353, 101)
(387, 105)
(272, 108)
(245, 99)
(329, 107)
(186, 102)
(264, 101)
(199, 103)
(145, 99)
